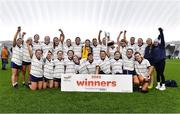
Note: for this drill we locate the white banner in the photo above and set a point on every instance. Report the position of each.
(96, 83)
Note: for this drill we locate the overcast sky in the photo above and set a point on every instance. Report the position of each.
(85, 18)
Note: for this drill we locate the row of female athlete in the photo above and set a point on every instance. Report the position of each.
(45, 62)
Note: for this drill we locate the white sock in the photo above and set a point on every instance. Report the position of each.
(163, 85)
(14, 83)
(158, 83)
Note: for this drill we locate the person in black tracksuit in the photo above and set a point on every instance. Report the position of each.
(158, 59)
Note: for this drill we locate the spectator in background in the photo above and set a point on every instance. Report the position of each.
(4, 57)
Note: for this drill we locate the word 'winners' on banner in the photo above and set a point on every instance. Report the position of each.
(96, 83)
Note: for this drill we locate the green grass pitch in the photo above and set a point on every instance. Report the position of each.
(22, 100)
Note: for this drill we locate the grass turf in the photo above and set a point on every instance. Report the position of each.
(22, 100)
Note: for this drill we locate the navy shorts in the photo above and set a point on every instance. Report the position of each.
(26, 63)
(118, 73)
(57, 80)
(14, 65)
(101, 72)
(46, 79)
(129, 72)
(35, 79)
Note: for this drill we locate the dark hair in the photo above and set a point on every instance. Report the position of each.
(130, 49)
(71, 51)
(94, 39)
(117, 52)
(39, 50)
(50, 52)
(77, 38)
(141, 40)
(36, 35)
(90, 54)
(54, 42)
(68, 40)
(77, 57)
(137, 53)
(60, 51)
(87, 40)
(102, 51)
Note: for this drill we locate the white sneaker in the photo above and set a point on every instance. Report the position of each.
(158, 87)
(162, 88)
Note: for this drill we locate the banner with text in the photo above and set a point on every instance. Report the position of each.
(96, 83)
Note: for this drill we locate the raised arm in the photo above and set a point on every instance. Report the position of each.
(118, 38)
(23, 34)
(99, 37)
(108, 36)
(15, 36)
(161, 37)
(125, 36)
(29, 49)
(62, 36)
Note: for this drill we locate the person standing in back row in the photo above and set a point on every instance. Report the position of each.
(159, 56)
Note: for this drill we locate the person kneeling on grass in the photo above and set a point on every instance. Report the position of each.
(104, 65)
(36, 73)
(59, 67)
(143, 70)
(117, 63)
(48, 71)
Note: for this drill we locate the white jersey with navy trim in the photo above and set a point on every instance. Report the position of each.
(141, 49)
(47, 47)
(59, 68)
(128, 63)
(116, 66)
(56, 49)
(112, 51)
(26, 54)
(123, 51)
(105, 66)
(48, 69)
(81, 68)
(66, 49)
(17, 55)
(36, 46)
(133, 47)
(37, 67)
(77, 49)
(104, 48)
(141, 68)
(96, 52)
(70, 66)
(91, 67)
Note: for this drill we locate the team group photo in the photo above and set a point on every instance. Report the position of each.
(104, 56)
